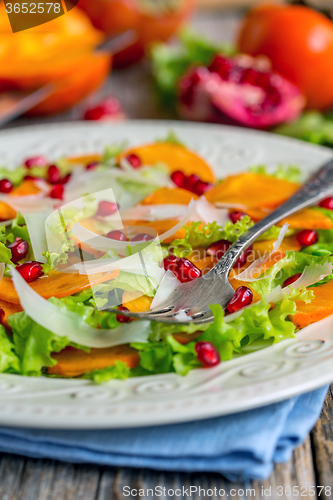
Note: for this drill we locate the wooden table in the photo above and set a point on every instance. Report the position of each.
(28, 479)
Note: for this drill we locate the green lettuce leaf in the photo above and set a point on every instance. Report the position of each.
(34, 344)
(15, 175)
(290, 173)
(312, 126)
(259, 325)
(292, 263)
(198, 236)
(119, 371)
(169, 63)
(9, 361)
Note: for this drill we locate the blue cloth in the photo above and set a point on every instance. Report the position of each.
(241, 446)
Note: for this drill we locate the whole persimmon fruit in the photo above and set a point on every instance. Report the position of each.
(299, 43)
(150, 20)
(60, 52)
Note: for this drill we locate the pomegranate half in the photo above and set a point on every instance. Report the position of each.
(239, 90)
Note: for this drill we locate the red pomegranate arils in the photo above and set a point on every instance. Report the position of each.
(116, 235)
(30, 270)
(92, 165)
(6, 186)
(207, 354)
(236, 216)
(170, 262)
(36, 161)
(19, 250)
(178, 178)
(327, 203)
(53, 174)
(121, 318)
(57, 191)
(307, 237)
(291, 279)
(134, 160)
(142, 237)
(106, 208)
(242, 298)
(186, 271)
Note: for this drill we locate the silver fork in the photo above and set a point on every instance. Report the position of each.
(193, 298)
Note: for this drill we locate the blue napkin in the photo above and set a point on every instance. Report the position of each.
(241, 446)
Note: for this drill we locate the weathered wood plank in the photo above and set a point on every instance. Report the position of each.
(322, 440)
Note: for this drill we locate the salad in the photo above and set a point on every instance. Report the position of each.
(85, 238)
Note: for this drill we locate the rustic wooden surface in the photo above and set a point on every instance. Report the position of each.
(311, 464)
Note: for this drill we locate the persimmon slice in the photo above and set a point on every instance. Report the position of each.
(177, 157)
(73, 362)
(166, 195)
(27, 187)
(308, 218)
(136, 302)
(252, 190)
(9, 309)
(319, 308)
(56, 284)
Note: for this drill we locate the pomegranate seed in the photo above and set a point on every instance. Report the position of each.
(242, 297)
(92, 165)
(121, 318)
(219, 248)
(108, 107)
(95, 113)
(106, 208)
(307, 237)
(36, 161)
(6, 186)
(142, 237)
(201, 187)
(53, 174)
(57, 191)
(222, 66)
(242, 259)
(207, 354)
(30, 271)
(2, 314)
(19, 250)
(178, 178)
(134, 160)
(65, 179)
(236, 216)
(116, 235)
(192, 180)
(327, 203)
(170, 263)
(291, 280)
(186, 271)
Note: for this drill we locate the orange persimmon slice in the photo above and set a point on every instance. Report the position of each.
(288, 243)
(9, 309)
(320, 307)
(56, 284)
(169, 195)
(305, 219)
(177, 157)
(252, 190)
(136, 302)
(73, 362)
(84, 159)
(26, 188)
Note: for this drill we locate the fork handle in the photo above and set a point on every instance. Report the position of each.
(319, 186)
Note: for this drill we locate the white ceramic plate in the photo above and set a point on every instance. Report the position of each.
(278, 372)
